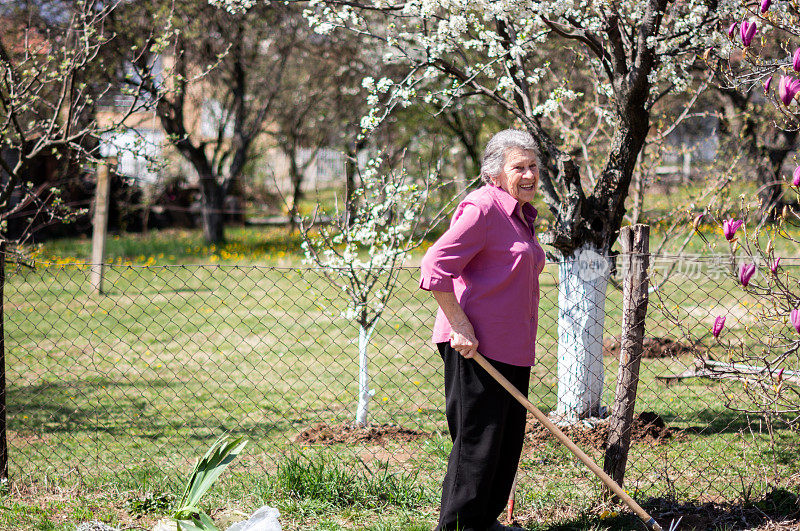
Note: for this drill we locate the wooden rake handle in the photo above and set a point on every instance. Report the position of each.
(542, 418)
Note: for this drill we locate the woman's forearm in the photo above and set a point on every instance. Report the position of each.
(452, 310)
(462, 337)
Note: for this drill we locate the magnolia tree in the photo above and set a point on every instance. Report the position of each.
(761, 61)
(767, 356)
(521, 57)
(757, 73)
(758, 342)
(762, 53)
(360, 251)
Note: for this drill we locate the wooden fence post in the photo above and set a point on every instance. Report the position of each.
(100, 226)
(635, 261)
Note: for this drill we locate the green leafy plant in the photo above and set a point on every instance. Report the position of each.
(189, 516)
(149, 503)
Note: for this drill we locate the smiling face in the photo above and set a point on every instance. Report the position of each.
(520, 175)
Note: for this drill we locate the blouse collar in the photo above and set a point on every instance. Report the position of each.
(509, 204)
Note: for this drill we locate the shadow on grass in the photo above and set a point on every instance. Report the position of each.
(709, 422)
(112, 292)
(618, 523)
(777, 510)
(121, 410)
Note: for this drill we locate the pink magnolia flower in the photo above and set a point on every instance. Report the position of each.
(732, 29)
(765, 5)
(748, 31)
(788, 87)
(730, 226)
(794, 317)
(796, 60)
(796, 176)
(767, 84)
(774, 265)
(719, 324)
(746, 272)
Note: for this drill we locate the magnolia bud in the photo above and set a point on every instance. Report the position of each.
(696, 222)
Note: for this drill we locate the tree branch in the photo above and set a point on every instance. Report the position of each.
(585, 37)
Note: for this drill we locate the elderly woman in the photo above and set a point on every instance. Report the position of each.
(484, 273)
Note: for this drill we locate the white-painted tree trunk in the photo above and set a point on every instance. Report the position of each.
(581, 315)
(364, 392)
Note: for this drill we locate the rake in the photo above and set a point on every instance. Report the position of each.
(648, 520)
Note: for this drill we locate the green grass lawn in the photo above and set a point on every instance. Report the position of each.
(112, 397)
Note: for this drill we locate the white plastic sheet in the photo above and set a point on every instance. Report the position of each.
(264, 519)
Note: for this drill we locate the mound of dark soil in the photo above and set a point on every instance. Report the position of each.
(648, 427)
(348, 433)
(653, 347)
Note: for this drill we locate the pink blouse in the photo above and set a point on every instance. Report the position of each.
(491, 260)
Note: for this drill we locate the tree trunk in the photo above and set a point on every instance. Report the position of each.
(297, 191)
(767, 148)
(211, 211)
(638, 195)
(461, 172)
(583, 278)
(769, 162)
(3, 415)
(351, 173)
(364, 392)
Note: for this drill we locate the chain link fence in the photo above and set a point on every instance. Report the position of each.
(149, 373)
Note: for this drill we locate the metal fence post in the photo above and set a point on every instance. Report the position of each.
(100, 226)
(635, 261)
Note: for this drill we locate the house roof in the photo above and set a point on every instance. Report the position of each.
(19, 38)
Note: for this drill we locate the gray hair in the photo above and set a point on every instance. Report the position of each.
(494, 156)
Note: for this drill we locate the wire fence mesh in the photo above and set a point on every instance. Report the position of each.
(169, 357)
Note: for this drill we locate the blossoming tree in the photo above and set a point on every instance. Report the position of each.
(55, 63)
(360, 251)
(520, 57)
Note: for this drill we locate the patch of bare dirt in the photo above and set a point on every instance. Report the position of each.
(648, 427)
(348, 433)
(384, 455)
(653, 347)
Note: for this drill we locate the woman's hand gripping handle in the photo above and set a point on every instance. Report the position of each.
(462, 337)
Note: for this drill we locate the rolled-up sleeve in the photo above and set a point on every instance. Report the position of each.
(447, 258)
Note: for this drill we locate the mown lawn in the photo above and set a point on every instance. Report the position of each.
(113, 396)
